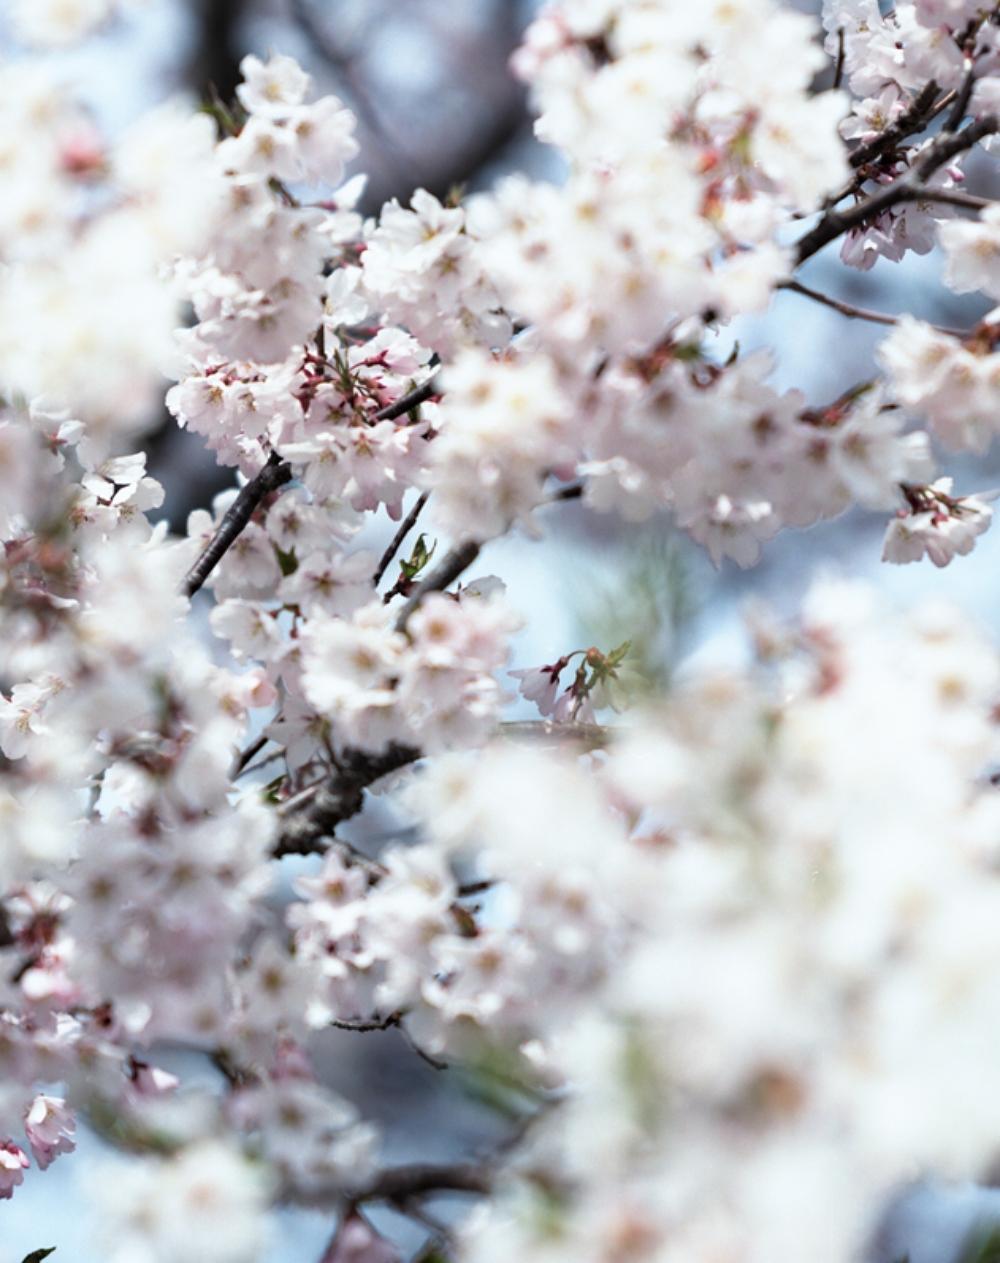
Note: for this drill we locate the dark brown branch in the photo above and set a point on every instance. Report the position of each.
(908, 187)
(409, 401)
(915, 119)
(340, 798)
(7, 936)
(276, 473)
(407, 525)
(247, 755)
(399, 1184)
(852, 312)
(573, 491)
(471, 888)
(273, 475)
(366, 1025)
(958, 111)
(838, 70)
(845, 309)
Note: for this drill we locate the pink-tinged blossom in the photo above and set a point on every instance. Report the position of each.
(272, 89)
(951, 382)
(13, 1164)
(539, 684)
(50, 1127)
(937, 525)
(504, 425)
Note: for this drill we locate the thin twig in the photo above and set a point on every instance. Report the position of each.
(435, 1063)
(7, 935)
(406, 526)
(593, 735)
(245, 756)
(471, 888)
(958, 111)
(838, 71)
(571, 492)
(845, 309)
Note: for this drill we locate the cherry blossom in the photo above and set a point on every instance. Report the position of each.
(729, 948)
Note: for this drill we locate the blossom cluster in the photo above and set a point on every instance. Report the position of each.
(725, 944)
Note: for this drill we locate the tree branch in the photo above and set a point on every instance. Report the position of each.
(449, 569)
(406, 526)
(915, 119)
(276, 473)
(398, 1184)
(340, 798)
(856, 313)
(273, 475)
(908, 187)
(949, 197)
(845, 309)
(409, 401)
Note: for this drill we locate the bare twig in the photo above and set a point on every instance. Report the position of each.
(247, 755)
(407, 525)
(571, 492)
(471, 888)
(7, 936)
(409, 401)
(838, 71)
(857, 313)
(845, 309)
(958, 111)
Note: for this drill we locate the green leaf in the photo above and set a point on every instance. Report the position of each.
(418, 558)
(36, 1256)
(287, 561)
(614, 658)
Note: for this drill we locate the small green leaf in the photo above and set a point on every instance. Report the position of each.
(615, 657)
(36, 1256)
(287, 561)
(418, 558)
